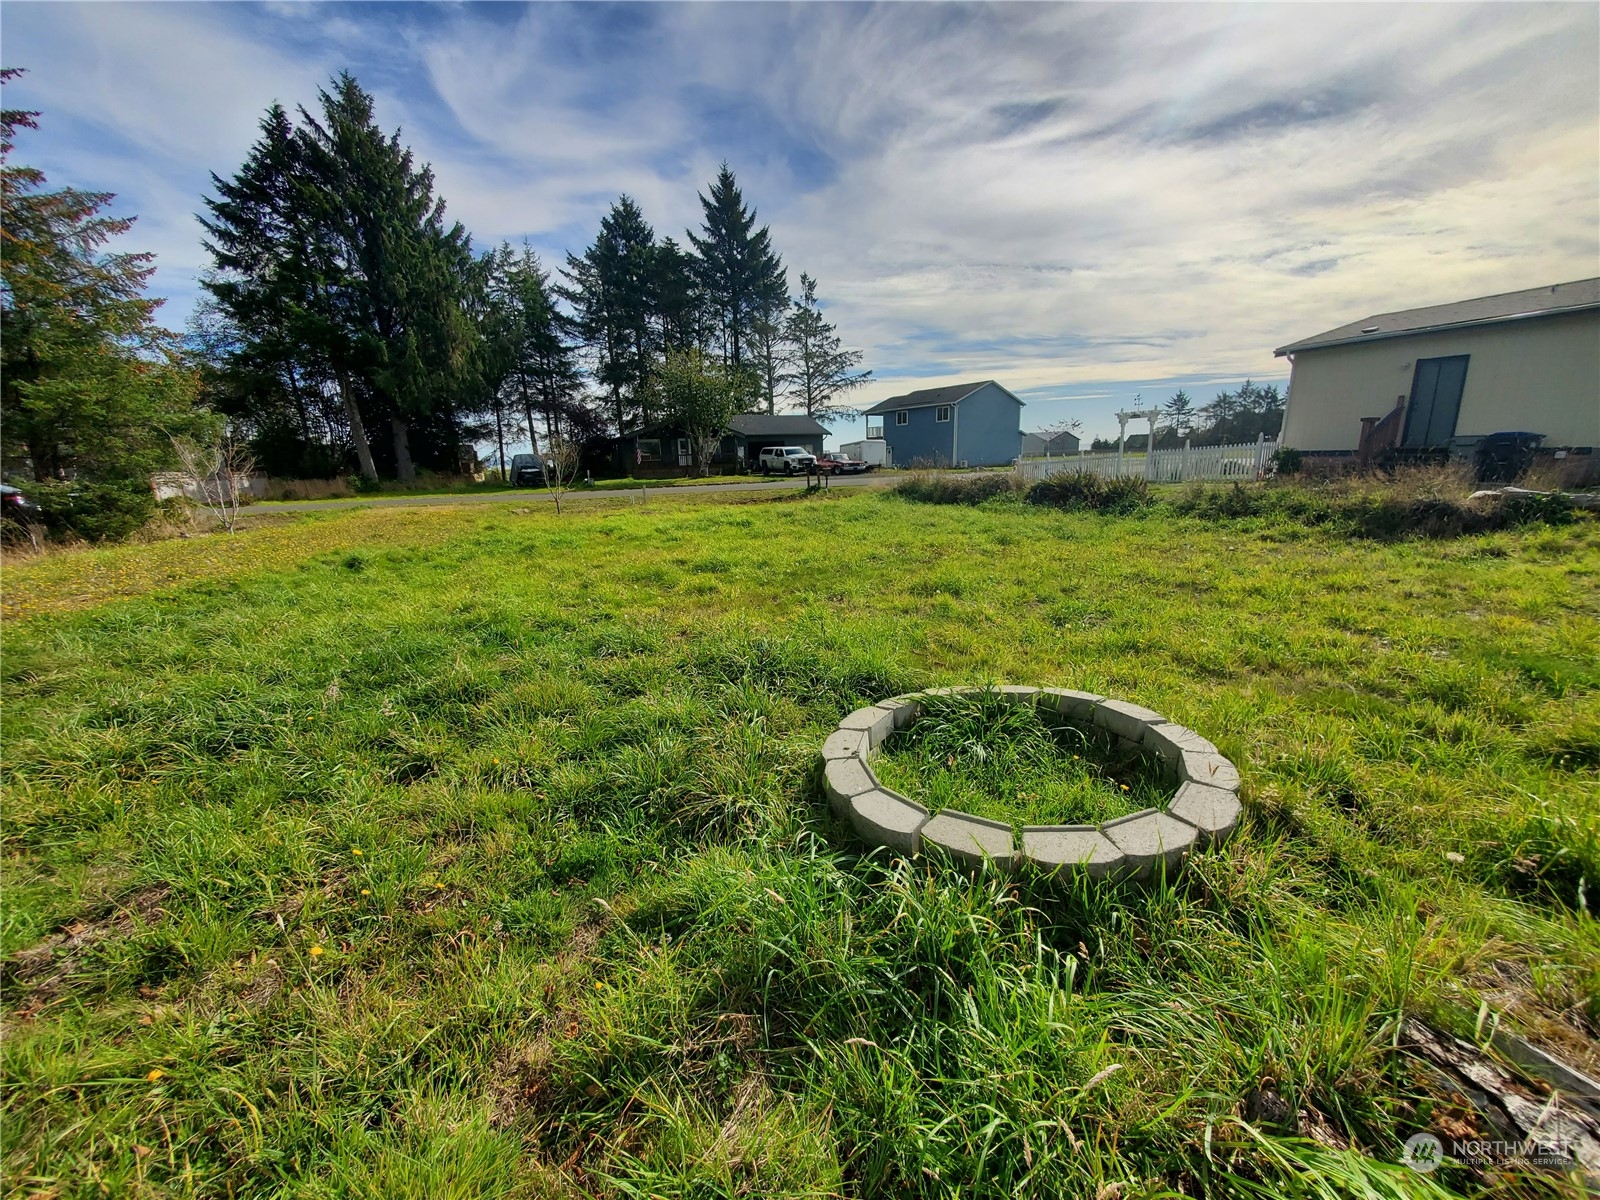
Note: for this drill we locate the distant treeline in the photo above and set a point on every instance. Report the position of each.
(1233, 417)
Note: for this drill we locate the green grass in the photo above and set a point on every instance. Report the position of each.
(451, 852)
(980, 754)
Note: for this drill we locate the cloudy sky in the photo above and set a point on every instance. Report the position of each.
(1082, 202)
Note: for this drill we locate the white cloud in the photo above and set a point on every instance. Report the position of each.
(1057, 195)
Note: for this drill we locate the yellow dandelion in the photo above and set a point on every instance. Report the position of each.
(356, 850)
(438, 884)
(598, 986)
(316, 952)
(366, 891)
(1123, 786)
(155, 1074)
(497, 762)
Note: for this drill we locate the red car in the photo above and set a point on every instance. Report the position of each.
(837, 464)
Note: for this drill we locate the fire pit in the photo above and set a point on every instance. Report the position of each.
(1203, 809)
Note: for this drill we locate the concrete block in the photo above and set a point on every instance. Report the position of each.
(1212, 811)
(1210, 769)
(884, 818)
(1074, 706)
(1126, 720)
(844, 778)
(1018, 695)
(1064, 849)
(1149, 838)
(971, 840)
(902, 709)
(876, 722)
(845, 743)
(1169, 742)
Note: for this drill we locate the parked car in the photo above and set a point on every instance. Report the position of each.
(14, 506)
(836, 463)
(788, 459)
(526, 471)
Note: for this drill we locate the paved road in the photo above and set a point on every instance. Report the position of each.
(535, 495)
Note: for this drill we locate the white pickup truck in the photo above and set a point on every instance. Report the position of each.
(788, 459)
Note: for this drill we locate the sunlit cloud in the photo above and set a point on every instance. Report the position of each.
(1082, 202)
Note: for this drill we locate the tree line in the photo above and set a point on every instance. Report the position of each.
(1255, 409)
(347, 322)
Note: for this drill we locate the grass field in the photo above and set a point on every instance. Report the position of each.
(448, 852)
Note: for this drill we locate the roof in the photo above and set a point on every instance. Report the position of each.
(1486, 310)
(750, 425)
(776, 425)
(953, 394)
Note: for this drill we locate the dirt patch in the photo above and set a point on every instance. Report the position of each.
(40, 971)
(521, 1081)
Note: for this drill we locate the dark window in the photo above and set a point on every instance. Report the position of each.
(943, 414)
(1435, 400)
(901, 417)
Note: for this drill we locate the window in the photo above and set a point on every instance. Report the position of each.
(943, 414)
(649, 450)
(901, 417)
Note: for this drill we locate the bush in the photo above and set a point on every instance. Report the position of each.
(1086, 490)
(95, 512)
(928, 487)
(1287, 461)
(1386, 511)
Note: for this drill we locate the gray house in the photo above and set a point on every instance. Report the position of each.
(664, 449)
(976, 424)
(1038, 445)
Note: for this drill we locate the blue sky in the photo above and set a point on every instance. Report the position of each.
(1083, 202)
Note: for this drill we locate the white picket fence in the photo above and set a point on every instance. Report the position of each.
(1248, 460)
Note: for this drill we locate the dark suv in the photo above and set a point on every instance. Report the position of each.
(526, 471)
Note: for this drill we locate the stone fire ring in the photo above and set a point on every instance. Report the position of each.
(1204, 810)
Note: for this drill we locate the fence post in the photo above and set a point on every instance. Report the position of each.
(1261, 445)
(1186, 460)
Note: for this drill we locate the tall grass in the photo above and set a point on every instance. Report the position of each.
(461, 853)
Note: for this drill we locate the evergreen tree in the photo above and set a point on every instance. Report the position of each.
(738, 272)
(611, 287)
(771, 351)
(274, 291)
(93, 390)
(330, 241)
(1180, 412)
(820, 370)
(404, 273)
(545, 373)
(679, 306)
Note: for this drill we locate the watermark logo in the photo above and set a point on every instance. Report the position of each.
(1423, 1153)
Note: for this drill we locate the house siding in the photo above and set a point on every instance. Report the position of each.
(921, 438)
(1541, 374)
(985, 429)
(989, 427)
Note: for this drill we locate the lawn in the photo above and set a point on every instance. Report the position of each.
(453, 852)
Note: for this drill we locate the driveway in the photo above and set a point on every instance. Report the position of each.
(535, 495)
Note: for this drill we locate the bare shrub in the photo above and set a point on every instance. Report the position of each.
(215, 476)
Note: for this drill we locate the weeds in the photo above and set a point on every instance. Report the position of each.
(982, 754)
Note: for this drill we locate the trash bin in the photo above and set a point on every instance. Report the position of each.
(1503, 457)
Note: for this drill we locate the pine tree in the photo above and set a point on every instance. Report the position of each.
(404, 273)
(1180, 412)
(611, 287)
(330, 239)
(820, 370)
(92, 388)
(738, 272)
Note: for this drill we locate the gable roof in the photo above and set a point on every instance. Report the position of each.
(776, 425)
(952, 394)
(1485, 310)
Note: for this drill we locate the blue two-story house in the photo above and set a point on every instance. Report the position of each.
(972, 424)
